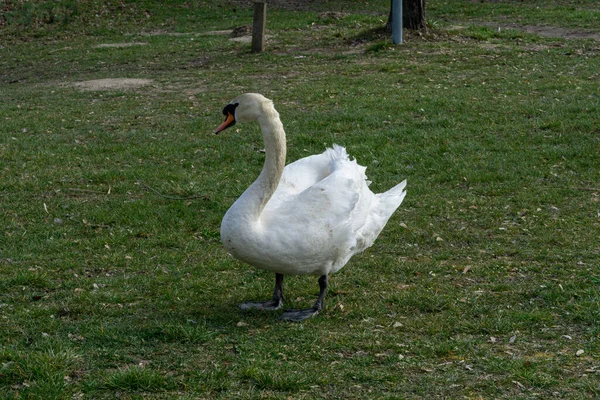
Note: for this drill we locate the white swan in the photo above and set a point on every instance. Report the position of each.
(308, 217)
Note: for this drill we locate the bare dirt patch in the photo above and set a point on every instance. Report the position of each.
(548, 31)
(246, 38)
(119, 45)
(112, 84)
(294, 5)
(225, 32)
(194, 91)
(161, 32)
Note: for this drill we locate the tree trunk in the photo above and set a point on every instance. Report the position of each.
(413, 15)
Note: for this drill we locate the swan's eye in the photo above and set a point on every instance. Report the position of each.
(230, 109)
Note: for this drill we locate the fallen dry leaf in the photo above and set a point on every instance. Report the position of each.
(519, 384)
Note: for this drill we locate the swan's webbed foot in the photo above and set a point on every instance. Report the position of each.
(301, 315)
(270, 305)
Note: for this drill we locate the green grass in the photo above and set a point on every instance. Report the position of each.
(484, 284)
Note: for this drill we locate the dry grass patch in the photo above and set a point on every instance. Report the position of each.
(112, 84)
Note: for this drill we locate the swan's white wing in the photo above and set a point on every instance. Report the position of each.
(298, 176)
(305, 172)
(330, 200)
(314, 181)
(321, 214)
(315, 228)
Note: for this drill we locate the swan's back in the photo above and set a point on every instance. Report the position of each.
(321, 214)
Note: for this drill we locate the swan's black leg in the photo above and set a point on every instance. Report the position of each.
(274, 304)
(300, 315)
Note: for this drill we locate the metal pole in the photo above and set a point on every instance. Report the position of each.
(258, 26)
(397, 21)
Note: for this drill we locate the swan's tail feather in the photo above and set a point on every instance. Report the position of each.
(388, 203)
(383, 208)
(337, 153)
(338, 157)
(394, 197)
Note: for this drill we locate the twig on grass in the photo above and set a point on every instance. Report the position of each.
(87, 191)
(586, 188)
(589, 189)
(165, 196)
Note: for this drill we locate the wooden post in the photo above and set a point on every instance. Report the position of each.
(258, 26)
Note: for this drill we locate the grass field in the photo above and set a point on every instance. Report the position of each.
(485, 284)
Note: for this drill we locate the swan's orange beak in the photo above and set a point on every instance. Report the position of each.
(229, 121)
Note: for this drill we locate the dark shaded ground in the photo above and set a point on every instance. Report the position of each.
(549, 31)
(298, 5)
(320, 5)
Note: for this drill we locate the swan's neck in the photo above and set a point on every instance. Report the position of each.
(259, 193)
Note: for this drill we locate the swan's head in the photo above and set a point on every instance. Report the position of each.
(245, 108)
